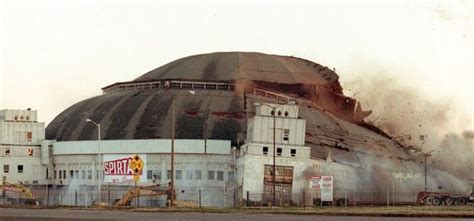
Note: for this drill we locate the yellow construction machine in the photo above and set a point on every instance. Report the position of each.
(142, 191)
(154, 190)
(19, 188)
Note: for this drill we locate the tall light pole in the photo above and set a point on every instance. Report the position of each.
(99, 159)
(173, 131)
(273, 113)
(426, 155)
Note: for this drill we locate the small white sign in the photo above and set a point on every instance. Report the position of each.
(325, 184)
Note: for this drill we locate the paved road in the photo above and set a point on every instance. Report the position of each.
(92, 215)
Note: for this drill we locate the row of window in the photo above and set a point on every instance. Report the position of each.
(279, 151)
(191, 175)
(6, 168)
(151, 174)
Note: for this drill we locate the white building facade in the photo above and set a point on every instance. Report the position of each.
(21, 139)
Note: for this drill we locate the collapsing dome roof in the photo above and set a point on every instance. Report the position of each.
(225, 85)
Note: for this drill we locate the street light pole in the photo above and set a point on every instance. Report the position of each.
(173, 134)
(173, 116)
(426, 155)
(99, 158)
(274, 153)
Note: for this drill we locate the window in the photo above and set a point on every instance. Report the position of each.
(220, 175)
(20, 168)
(6, 168)
(197, 174)
(149, 174)
(7, 151)
(71, 174)
(279, 151)
(55, 174)
(64, 174)
(89, 174)
(293, 152)
(189, 174)
(179, 174)
(168, 174)
(210, 175)
(60, 174)
(265, 150)
(231, 176)
(28, 136)
(83, 172)
(157, 174)
(47, 173)
(286, 134)
(76, 174)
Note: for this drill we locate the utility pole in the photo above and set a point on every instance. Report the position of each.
(173, 116)
(274, 153)
(428, 154)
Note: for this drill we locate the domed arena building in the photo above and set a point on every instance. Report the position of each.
(232, 119)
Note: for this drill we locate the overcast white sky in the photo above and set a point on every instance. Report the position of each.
(54, 54)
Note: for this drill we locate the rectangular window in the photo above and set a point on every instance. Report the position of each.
(220, 175)
(168, 174)
(279, 151)
(71, 174)
(89, 174)
(64, 174)
(47, 173)
(231, 176)
(210, 175)
(7, 151)
(20, 168)
(55, 174)
(189, 174)
(76, 174)
(149, 174)
(179, 174)
(60, 174)
(286, 134)
(265, 150)
(83, 172)
(197, 174)
(157, 174)
(293, 152)
(29, 136)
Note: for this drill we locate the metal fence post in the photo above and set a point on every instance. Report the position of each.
(345, 200)
(225, 197)
(61, 198)
(108, 194)
(199, 195)
(304, 200)
(233, 190)
(248, 201)
(75, 197)
(138, 198)
(414, 202)
(388, 197)
(47, 195)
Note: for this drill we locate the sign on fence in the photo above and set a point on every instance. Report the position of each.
(325, 184)
(124, 168)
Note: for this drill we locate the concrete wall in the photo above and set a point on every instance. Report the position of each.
(261, 130)
(142, 146)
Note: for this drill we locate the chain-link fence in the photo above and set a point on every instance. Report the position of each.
(87, 196)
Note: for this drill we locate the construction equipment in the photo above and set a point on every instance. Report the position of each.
(29, 198)
(439, 198)
(154, 190)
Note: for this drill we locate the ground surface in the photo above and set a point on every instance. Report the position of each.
(359, 213)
